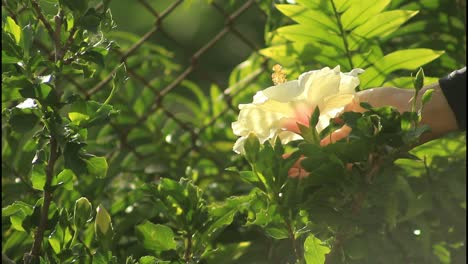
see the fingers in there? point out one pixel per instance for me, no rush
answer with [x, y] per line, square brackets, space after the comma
[336, 135]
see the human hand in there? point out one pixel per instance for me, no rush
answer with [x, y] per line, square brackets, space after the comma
[437, 113]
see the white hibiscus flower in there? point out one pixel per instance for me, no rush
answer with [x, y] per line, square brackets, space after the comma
[275, 111]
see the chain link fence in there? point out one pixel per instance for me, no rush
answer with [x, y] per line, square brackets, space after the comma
[155, 131]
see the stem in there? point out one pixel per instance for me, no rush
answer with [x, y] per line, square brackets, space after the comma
[343, 34]
[69, 42]
[41, 17]
[39, 235]
[293, 239]
[58, 28]
[188, 248]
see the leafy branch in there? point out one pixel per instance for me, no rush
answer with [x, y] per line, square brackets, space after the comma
[34, 254]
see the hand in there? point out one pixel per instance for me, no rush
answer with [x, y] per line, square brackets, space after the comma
[437, 113]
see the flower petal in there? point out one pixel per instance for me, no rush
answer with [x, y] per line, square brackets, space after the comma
[284, 92]
[349, 81]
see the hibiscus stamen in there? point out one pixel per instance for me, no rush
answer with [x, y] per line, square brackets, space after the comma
[278, 76]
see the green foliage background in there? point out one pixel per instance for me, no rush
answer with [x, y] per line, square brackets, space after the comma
[152, 161]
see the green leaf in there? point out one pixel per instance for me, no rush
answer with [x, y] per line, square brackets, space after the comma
[427, 96]
[90, 21]
[248, 176]
[55, 240]
[359, 13]
[381, 25]
[306, 33]
[82, 213]
[89, 113]
[323, 6]
[12, 28]
[277, 232]
[7, 59]
[315, 250]
[151, 260]
[97, 166]
[72, 158]
[310, 17]
[65, 178]
[156, 237]
[222, 214]
[38, 176]
[409, 59]
[103, 224]
[78, 112]
[15, 207]
[76, 6]
[22, 120]
[251, 147]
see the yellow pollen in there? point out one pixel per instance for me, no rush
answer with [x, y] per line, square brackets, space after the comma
[278, 76]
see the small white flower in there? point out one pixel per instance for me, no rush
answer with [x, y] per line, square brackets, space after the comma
[275, 111]
[28, 103]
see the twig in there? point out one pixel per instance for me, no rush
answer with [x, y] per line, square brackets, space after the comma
[293, 239]
[58, 29]
[41, 17]
[39, 235]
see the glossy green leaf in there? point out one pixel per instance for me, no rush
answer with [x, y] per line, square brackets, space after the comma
[312, 18]
[359, 13]
[277, 232]
[306, 33]
[323, 6]
[38, 176]
[65, 179]
[102, 224]
[82, 212]
[78, 112]
[97, 166]
[315, 250]
[7, 59]
[408, 59]
[381, 25]
[156, 237]
[151, 260]
[15, 207]
[12, 28]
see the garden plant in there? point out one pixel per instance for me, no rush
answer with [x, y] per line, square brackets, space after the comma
[115, 151]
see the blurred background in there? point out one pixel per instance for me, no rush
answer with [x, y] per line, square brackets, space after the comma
[190, 26]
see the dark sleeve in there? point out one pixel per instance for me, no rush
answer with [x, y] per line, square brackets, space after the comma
[454, 88]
